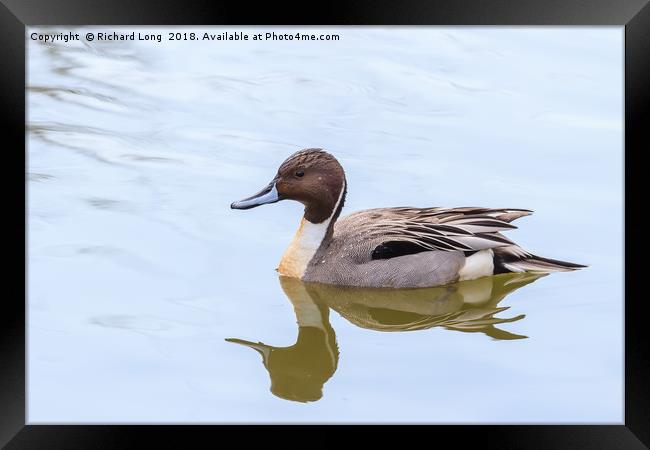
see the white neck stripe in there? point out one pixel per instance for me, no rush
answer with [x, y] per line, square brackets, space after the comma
[305, 243]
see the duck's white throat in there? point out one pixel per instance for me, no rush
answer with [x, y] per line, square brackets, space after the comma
[305, 243]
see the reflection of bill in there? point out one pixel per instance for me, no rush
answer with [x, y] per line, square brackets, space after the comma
[298, 372]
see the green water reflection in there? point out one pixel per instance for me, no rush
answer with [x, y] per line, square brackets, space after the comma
[298, 372]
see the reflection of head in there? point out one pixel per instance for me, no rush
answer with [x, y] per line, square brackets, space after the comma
[299, 372]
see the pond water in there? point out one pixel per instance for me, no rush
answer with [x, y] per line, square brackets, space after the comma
[150, 300]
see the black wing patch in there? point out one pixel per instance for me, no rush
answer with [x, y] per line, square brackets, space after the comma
[393, 249]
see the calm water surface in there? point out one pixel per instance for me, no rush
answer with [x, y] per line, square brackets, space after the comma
[151, 301]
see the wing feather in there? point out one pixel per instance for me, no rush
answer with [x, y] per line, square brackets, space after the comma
[443, 229]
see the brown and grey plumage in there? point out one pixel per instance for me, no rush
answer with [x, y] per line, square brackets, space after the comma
[402, 247]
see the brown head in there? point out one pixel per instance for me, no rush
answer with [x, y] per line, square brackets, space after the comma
[312, 177]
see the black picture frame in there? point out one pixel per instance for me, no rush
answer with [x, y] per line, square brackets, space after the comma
[15, 15]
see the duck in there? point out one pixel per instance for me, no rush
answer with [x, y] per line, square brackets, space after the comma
[299, 372]
[393, 247]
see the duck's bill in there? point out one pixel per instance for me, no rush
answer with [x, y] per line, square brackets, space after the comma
[267, 195]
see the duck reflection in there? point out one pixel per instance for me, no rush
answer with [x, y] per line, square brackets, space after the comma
[298, 372]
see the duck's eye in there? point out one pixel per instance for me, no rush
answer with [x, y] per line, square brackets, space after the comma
[300, 173]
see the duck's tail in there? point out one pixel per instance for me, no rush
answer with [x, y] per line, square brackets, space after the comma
[513, 258]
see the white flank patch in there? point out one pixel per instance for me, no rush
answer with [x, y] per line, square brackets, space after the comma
[304, 244]
[480, 264]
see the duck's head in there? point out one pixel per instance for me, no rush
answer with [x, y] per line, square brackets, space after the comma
[312, 177]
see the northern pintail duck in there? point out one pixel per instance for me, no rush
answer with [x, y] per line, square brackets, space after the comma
[402, 247]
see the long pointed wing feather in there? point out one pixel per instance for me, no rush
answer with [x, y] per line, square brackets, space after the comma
[445, 229]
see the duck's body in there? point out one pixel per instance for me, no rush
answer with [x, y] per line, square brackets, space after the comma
[389, 247]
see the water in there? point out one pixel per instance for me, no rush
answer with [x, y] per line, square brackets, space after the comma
[146, 290]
